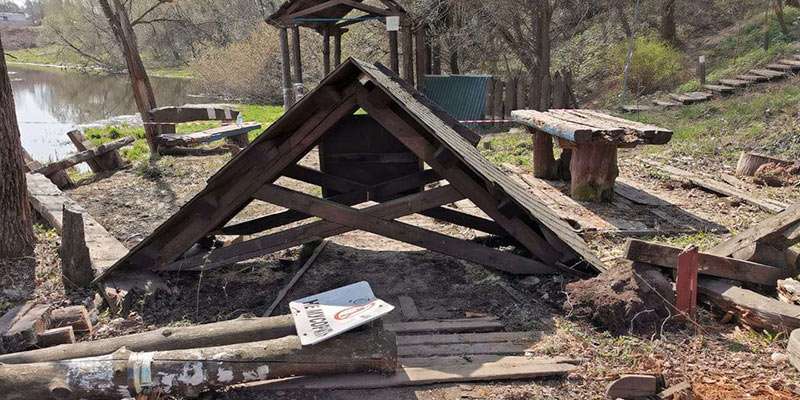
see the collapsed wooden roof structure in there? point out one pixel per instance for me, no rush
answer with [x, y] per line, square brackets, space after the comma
[375, 157]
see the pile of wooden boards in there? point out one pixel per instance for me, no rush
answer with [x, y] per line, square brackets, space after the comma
[758, 256]
[446, 351]
[37, 325]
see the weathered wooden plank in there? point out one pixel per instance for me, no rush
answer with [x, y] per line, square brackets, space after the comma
[428, 350]
[437, 361]
[456, 338]
[465, 220]
[781, 67]
[566, 130]
[753, 309]
[764, 231]
[721, 89]
[767, 73]
[434, 241]
[207, 136]
[417, 376]
[752, 78]
[731, 268]
[635, 193]
[719, 187]
[190, 113]
[446, 326]
[56, 336]
[736, 83]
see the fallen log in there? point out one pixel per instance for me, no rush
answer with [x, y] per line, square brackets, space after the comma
[749, 162]
[190, 372]
[83, 156]
[723, 267]
[215, 334]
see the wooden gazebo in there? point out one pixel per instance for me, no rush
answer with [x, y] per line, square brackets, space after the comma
[330, 18]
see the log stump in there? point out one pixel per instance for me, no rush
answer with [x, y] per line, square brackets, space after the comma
[544, 163]
[594, 171]
[750, 162]
[76, 263]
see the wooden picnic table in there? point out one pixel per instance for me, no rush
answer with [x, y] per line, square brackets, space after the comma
[589, 140]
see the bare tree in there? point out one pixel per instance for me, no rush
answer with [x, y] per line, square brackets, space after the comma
[777, 5]
[120, 24]
[667, 27]
[16, 229]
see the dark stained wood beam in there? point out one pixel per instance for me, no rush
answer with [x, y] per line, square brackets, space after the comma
[430, 240]
[311, 232]
[711, 265]
[466, 220]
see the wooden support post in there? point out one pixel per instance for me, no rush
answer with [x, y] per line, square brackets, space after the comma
[421, 55]
[510, 99]
[490, 94]
[337, 48]
[594, 171]
[297, 59]
[394, 56]
[408, 52]
[436, 58]
[326, 51]
[686, 283]
[76, 263]
[701, 70]
[286, 69]
[544, 163]
[498, 99]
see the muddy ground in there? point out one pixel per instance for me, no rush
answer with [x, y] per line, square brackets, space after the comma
[722, 361]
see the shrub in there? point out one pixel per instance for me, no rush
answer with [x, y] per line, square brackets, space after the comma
[655, 66]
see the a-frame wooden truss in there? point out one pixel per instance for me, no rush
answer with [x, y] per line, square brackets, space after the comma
[432, 135]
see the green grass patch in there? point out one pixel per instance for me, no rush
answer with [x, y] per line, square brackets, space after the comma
[265, 115]
[511, 148]
[51, 54]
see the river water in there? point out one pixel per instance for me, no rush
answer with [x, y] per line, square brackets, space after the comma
[51, 102]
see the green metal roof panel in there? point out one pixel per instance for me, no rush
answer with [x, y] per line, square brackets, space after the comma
[462, 96]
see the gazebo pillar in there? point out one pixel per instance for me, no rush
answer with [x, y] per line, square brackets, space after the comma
[408, 51]
[326, 50]
[394, 57]
[421, 55]
[337, 47]
[286, 74]
[299, 88]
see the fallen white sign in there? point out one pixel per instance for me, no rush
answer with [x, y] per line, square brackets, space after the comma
[325, 315]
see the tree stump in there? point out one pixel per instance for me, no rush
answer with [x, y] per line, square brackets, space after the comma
[749, 162]
[76, 264]
[544, 163]
[594, 171]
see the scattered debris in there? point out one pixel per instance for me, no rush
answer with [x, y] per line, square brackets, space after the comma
[635, 299]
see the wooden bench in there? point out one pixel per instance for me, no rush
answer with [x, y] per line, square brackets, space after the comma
[592, 139]
[168, 117]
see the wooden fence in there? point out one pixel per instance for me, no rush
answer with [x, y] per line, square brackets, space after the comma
[504, 96]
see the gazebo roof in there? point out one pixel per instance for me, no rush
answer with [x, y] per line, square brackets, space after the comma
[315, 13]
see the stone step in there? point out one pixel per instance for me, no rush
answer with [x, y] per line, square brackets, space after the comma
[721, 89]
[734, 82]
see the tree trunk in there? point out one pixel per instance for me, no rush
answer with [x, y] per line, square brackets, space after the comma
[142, 89]
[749, 162]
[668, 30]
[193, 371]
[16, 228]
[778, 6]
[594, 171]
[216, 334]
